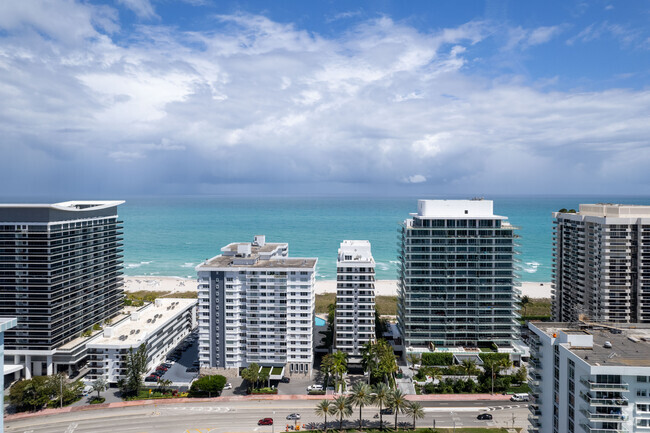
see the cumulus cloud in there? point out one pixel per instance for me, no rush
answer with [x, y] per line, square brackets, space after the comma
[254, 101]
[142, 8]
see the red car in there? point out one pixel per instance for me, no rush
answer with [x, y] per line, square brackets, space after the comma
[265, 421]
[161, 368]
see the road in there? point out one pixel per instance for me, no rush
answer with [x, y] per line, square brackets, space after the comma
[234, 417]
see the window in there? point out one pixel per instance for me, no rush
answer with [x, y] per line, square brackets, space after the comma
[641, 379]
[641, 393]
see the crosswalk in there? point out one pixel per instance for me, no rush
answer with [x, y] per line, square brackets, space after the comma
[213, 409]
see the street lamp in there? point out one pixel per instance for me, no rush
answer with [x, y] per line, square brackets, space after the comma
[273, 423]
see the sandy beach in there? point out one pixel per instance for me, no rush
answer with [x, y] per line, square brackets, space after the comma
[382, 287]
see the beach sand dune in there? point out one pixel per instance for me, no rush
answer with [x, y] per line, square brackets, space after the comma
[382, 287]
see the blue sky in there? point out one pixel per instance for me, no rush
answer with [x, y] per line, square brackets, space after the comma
[134, 97]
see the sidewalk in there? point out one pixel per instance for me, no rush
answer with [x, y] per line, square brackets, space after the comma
[135, 403]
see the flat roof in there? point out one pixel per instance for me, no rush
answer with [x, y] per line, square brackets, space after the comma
[7, 322]
[630, 342]
[222, 261]
[143, 322]
[74, 205]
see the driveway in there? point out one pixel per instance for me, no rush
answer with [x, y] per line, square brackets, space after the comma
[177, 373]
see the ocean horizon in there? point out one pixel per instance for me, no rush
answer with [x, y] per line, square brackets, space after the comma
[170, 235]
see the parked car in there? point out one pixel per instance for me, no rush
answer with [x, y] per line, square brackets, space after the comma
[484, 416]
[387, 411]
[315, 388]
[151, 378]
[156, 373]
[520, 397]
[192, 370]
[294, 416]
[167, 365]
[228, 386]
[285, 379]
[265, 421]
[87, 390]
[196, 363]
[161, 368]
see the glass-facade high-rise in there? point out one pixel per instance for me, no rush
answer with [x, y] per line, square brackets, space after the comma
[457, 279]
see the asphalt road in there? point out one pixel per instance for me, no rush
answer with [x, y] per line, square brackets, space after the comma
[233, 417]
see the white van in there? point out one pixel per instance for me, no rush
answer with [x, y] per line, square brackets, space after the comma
[520, 397]
[315, 388]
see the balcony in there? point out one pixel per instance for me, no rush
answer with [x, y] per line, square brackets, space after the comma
[595, 386]
[605, 402]
[603, 417]
[590, 429]
[534, 421]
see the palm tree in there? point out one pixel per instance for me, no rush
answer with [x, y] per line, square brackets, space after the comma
[360, 397]
[525, 300]
[342, 408]
[339, 364]
[380, 394]
[251, 375]
[469, 366]
[326, 365]
[324, 408]
[397, 401]
[413, 358]
[99, 385]
[414, 409]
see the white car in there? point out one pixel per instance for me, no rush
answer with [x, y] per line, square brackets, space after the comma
[315, 388]
[228, 386]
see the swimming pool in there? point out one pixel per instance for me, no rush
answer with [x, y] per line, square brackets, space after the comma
[319, 322]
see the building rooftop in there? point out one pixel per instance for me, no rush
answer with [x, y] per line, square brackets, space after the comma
[630, 343]
[461, 209]
[142, 323]
[615, 210]
[64, 211]
[360, 251]
[256, 254]
[7, 322]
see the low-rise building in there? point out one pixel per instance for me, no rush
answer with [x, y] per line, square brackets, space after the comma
[160, 325]
[589, 378]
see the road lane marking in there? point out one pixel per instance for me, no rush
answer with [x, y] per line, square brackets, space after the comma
[71, 428]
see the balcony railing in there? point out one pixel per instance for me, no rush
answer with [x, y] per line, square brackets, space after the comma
[590, 429]
[613, 402]
[603, 417]
[596, 386]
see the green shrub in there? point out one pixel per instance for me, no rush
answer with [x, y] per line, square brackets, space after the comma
[265, 391]
[493, 356]
[317, 392]
[437, 358]
[97, 400]
[209, 386]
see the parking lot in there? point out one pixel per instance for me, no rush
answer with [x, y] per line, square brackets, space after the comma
[178, 373]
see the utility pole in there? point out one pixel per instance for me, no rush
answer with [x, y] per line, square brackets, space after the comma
[61, 376]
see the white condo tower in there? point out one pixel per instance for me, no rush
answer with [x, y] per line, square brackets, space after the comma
[355, 297]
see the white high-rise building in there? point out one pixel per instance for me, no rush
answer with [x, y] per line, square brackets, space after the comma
[256, 305]
[355, 297]
[601, 264]
[588, 378]
[457, 277]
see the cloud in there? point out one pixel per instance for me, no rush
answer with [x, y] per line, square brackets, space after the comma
[142, 8]
[625, 35]
[519, 37]
[416, 178]
[257, 102]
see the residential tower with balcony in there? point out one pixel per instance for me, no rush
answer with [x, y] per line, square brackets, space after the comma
[601, 264]
[256, 305]
[456, 283]
[355, 297]
[588, 378]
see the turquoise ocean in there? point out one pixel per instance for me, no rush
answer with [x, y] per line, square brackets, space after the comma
[169, 236]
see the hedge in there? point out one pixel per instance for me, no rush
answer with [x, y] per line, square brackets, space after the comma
[317, 392]
[494, 356]
[437, 358]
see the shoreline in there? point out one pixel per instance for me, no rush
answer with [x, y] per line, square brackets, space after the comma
[535, 290]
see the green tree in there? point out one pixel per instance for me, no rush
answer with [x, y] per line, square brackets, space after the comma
[525, 300]
[31, 394]
[136, 366]
[339, 366]
[251, 375]
[163, 384]
[522, 374]
[380, 393]
[326, 365]
[360, 397]
[413, 358]
[378, 359]
[469, 367]
[324, 408]
[208, 385]
[342, 408]
[99, 385]
[415, 410]
[397, 401]
[265, 376]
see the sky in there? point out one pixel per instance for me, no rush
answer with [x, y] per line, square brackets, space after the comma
[171, 97]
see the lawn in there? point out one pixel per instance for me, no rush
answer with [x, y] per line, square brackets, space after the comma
[138, 298]
[538, 307]
[386, 305]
